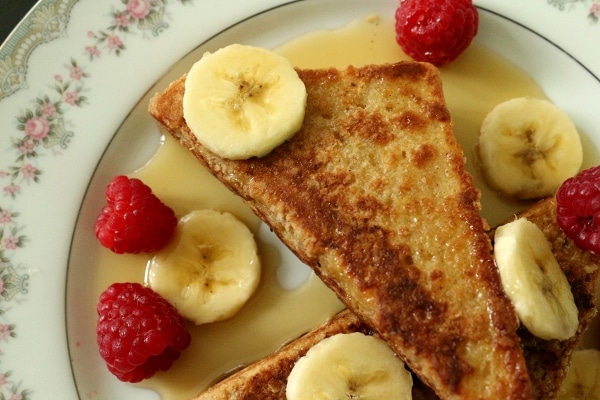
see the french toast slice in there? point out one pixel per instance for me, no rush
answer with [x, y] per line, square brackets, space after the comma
[266, 379]
[547, 360]
[372, 194]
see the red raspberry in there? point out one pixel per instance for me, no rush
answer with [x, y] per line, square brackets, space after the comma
[578, 209]
[436, 31]
[134, 220]
[138, 331]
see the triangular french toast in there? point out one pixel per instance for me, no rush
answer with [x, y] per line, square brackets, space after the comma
[372, 193]
[547, 360]
[266, 379]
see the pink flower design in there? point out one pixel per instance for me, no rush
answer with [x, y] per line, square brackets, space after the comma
[76, 73]
[2, 378]
[595, 10]
[71, 98]
[92, 51]
[139, 8]
[48, 109]
[114, 42]
[37, 128]
[15, 396]
[5, 218]
[91, 34]
[4, 332]
[122, 20]
[11, 189]
[10, 242]
[27, 147]
[28, 171]
[58, 78]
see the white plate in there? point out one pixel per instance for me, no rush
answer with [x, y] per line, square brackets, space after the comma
[68, 53]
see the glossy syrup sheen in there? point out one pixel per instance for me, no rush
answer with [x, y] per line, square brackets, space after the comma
[473, 85]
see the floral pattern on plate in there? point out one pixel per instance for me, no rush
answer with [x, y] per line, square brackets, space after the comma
[42, 129]
[593, 6]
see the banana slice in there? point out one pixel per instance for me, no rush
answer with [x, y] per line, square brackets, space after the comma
[583, 378]
[210, 269]
[534, 282]
[528, 147]
[243, 101]
[349, 366]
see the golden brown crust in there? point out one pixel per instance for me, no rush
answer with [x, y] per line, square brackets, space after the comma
[373, 194]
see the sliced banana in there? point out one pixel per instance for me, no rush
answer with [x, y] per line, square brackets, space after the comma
[534, 282]
[210, 269]
[243, 101]
[349, 366]
[528, 147]
[583, 379]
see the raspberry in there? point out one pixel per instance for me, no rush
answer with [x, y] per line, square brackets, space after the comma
[134, 220]
[436, 31]
[578, 209]
[138, 331]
